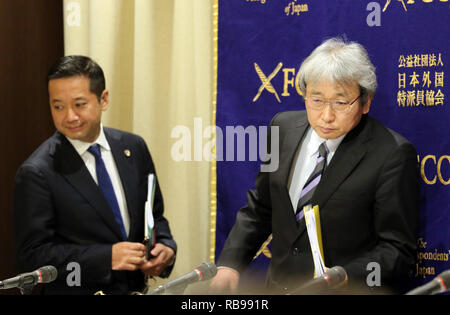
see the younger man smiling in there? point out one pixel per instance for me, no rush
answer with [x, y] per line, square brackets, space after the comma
[80, 196]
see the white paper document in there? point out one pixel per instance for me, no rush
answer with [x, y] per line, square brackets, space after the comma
[312, 221]
[149, 221]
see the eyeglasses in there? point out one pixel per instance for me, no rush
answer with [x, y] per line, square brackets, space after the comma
[338, 106]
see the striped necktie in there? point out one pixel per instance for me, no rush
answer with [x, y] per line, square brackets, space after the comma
[105, 185]
[312, 182]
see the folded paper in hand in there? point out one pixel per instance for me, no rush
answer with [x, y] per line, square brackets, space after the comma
[149, 229]
[312, 220]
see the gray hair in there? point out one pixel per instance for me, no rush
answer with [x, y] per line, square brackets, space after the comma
[339, 61]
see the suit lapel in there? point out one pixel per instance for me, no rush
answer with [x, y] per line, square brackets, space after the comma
[291, 141]
[125, 163]
[347, 157]
[72, 167]
[343, 163]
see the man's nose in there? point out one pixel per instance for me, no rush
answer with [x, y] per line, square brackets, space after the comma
[71, 115]
[328, 114]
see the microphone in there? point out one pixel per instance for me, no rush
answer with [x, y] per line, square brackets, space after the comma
[28, 280]
[334, 276]
[438, 285]
[203, 272]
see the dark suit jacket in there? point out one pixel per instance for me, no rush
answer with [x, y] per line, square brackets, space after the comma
[61, 216]
[368, 201]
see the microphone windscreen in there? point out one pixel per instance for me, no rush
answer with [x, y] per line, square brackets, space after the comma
[336, 275]
[48, 274]
[208, 270]
[445, 276]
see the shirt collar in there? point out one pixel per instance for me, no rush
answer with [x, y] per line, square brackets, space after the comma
[81, 147]
[332, 144]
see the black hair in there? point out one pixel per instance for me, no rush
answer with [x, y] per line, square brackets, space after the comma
[70, 66]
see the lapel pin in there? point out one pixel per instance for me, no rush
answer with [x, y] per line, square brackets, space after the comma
[127, 153]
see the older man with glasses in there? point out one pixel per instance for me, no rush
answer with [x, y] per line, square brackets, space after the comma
[362, 175]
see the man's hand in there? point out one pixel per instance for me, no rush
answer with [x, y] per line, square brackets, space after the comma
[127, 256]
[225, 281]
[162, 257]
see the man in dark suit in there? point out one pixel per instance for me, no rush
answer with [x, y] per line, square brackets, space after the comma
[362, 175]
[79, 198]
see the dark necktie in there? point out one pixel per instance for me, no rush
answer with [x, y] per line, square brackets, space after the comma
[312, 182]
[105, 185]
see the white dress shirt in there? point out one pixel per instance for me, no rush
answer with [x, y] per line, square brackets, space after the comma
[89, 160]
[306, 161]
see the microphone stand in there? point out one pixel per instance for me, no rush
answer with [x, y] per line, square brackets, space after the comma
[26, 289]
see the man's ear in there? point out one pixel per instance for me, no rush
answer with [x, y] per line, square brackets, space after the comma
[366, 106]
[104, 100]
